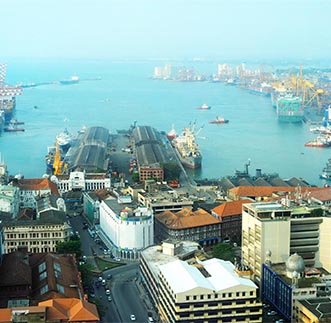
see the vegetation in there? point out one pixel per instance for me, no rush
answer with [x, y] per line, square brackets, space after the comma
[73, 246]
[224, 251]
[171, 171]
[86, 271]
[316, 212]
[104, 264]
[135, 177]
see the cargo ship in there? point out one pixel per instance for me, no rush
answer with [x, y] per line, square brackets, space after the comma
[64, 140]
[186, 148]
[2, 120]
[289, 108]
[72, 80]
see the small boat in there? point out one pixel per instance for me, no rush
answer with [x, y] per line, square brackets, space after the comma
[13, 129]
[219, 120]
[72, 80]
[204, 107]
[16, 122]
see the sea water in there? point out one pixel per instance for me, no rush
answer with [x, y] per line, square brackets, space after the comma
[126, 93]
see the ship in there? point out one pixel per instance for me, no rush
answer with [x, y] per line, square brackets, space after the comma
[2, 120]
[187, 149]
[63, 140]
[320, 141]
[289, 108]
[7, 95]
[325, 130]
[326, 173]
[72, 80]
[204, 107]
[171, 135]
[219, 120]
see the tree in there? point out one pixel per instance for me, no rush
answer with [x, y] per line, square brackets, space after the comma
[72, 246]
[224, 251]
[87, 275]
[171, 171]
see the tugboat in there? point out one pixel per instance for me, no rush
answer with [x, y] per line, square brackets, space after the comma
[219, 120]
[172, 134]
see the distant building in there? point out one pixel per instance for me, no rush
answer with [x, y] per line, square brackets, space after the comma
[186, 224]
[317, 310]
[185, 286]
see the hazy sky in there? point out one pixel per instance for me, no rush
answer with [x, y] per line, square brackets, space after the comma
[168, 28]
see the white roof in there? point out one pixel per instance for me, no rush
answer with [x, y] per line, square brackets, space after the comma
[183, 277]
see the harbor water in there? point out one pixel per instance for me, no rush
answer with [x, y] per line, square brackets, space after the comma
[116, 94]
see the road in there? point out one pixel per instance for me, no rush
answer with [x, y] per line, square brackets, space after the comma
[128, 295]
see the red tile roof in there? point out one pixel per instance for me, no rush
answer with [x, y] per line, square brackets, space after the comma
[37, 184]
[230, 208]
[186, 218]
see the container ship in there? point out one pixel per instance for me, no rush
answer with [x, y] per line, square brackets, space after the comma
[289, 108]
[187, 149]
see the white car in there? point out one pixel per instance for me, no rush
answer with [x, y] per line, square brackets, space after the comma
[132, 317]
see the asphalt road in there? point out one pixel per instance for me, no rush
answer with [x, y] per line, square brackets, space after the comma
[128, 295]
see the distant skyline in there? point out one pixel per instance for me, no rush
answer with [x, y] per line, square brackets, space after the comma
[127, 29]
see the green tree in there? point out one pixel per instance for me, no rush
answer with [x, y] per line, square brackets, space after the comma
[224, 251]
[72, 246]
[171, 171]
[135, 177]
[87, 274]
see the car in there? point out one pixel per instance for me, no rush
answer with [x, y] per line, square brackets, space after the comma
[109, 276]
[100, 278]
[132, 317]
[103, 282]
[107, 292]
[92, 295]
[109, 299]
[271, 313]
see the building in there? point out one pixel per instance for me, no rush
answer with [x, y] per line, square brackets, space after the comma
[161, 197]
[27, 279]
[39, 233]
[187, 287]
[82, 181]
[127, 228]
[229, 213]
[9, 200]
[283, 284]
[63, 310]
[32, 188]
[312, 310]
[186, 224]
[275, 230]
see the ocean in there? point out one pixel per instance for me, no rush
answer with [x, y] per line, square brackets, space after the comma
[126, 93]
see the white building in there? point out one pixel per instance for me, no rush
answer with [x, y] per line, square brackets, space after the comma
[126, 228]
[83, 181]
[197, 289]
[9, 199]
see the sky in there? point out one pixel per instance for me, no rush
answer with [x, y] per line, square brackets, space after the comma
[165, 29]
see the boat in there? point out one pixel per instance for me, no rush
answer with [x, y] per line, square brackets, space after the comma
[326, 173]
[2, 120]
[171, 135]
[320, 141]
[12, 128]
[289, 108]
[325, 130]
[219, 120]
[8, 100]
[16, 122]
[187, 149]
[204, 107]
[72, 80]
[64, 140]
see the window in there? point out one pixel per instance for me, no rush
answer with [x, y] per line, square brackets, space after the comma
[43, 275]
[43, 289]
[42, 267]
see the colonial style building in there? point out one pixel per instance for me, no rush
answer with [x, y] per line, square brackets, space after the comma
[186, 224]
[187, 287]
[229, 214]
[38, 233]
